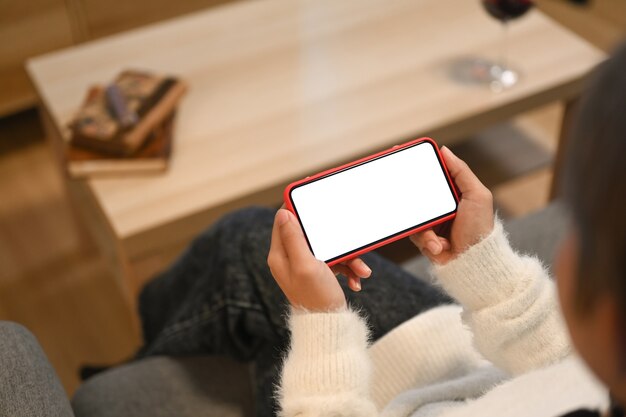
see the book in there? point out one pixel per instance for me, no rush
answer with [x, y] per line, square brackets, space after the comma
[152, 157]
[118, 119]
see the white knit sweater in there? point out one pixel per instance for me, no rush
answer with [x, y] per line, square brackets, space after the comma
[504, 352]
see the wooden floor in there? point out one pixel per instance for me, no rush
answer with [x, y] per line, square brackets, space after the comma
[53, 280]
[50, 281]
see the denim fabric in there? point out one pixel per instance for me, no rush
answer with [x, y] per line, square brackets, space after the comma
[219, 297]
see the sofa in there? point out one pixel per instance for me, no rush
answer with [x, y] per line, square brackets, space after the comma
[183, 387]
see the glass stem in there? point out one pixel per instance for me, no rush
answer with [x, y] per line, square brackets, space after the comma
[504, 56]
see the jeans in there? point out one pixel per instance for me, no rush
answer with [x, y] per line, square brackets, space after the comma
[219, 297]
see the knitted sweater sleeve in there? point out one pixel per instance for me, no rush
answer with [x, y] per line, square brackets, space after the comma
[509, 303]
[327, 370]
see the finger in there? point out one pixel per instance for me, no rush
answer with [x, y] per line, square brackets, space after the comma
[346, 272]
[277, 253]
[292, 239]
[445, 244]
[354, 283]
[427, 240]
[443, 229]
[463, 177]
[359, 267]
[341, 269]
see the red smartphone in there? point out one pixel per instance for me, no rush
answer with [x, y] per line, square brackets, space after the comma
[350, 210]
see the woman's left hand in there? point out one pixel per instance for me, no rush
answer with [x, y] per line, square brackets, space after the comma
[306, 281]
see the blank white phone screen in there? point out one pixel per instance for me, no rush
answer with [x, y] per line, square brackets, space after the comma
[361, 205]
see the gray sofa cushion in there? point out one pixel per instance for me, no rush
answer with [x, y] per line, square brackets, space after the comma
[28, 384]
[537, 234]
[167, 387]
[540, 233]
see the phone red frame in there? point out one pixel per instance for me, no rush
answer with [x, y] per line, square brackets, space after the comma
[378, 244]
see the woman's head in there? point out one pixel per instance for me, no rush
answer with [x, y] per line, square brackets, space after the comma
[591, 266]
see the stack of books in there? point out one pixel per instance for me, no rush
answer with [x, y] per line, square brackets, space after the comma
[125, 127]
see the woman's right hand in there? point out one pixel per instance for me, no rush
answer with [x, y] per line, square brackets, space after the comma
[474, 218]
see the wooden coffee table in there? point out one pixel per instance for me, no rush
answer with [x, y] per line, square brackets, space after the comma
[280, 89]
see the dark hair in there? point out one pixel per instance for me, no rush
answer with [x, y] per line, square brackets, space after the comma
[594, 183]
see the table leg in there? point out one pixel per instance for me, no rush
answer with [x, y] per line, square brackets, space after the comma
[566, 125]
[97, 227]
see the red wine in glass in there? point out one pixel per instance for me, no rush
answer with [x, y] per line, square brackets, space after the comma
[505, 10]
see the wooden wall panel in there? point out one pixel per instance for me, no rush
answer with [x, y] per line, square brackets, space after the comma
[27, 28]
[602, 22]
[103, 18]
[612, 10]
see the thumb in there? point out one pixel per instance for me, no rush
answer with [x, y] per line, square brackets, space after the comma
[462, 175]
[292, 237]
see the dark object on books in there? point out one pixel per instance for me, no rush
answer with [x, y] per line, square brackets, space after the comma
[125, 116]
[105, 123]
[152, 157]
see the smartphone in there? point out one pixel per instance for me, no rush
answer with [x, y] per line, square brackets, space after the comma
[350, 210]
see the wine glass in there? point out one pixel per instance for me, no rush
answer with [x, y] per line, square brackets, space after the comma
[499, 74]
